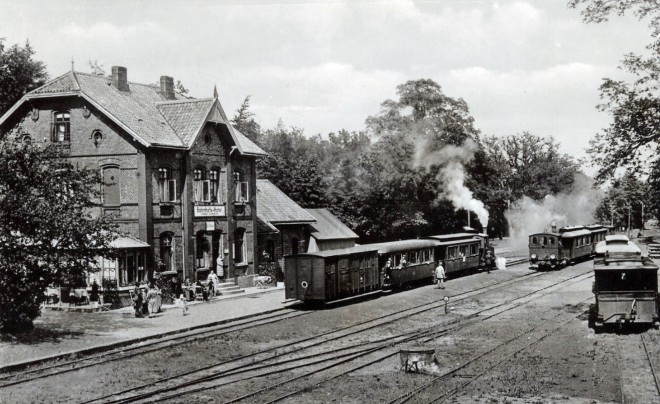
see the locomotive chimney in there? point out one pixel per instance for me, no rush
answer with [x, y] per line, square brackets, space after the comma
[554, 227]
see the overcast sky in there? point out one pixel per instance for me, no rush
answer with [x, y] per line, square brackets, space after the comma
[326, 65]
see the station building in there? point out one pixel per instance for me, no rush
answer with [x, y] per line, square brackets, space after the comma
[178, 178]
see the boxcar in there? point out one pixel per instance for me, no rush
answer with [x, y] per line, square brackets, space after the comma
[461, 251]
[625, 286]
[406, 261]
[325, 276]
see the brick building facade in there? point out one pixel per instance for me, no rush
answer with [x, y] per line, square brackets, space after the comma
[178, 178]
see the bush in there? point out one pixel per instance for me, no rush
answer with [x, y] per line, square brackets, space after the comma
[271, 269]
[165, 286]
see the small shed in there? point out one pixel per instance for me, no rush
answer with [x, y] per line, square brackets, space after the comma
[329, 233]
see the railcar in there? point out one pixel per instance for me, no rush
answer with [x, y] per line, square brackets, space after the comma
[625, 285]
[332, 275]
[406, 261]
[325, 276]
[559, 248]
[463, 251]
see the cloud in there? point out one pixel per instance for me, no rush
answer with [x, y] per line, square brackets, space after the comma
[321, 98]
[557, 101]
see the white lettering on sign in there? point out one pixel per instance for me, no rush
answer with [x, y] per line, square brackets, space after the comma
[209, 210]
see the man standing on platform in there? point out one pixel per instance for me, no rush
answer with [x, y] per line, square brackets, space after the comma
[440, 276]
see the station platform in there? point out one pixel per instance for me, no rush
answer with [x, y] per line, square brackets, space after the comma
[62, 334]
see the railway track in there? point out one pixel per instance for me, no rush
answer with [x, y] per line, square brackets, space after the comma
[122, 353]
[326, 359]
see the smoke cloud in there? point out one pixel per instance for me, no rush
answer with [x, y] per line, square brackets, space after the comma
[452, 160]
[577, 207]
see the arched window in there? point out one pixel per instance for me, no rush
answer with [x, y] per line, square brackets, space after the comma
[242, 188]
[110, 194]
[61, 127]
[239, 245]
[202, 250]
[26, 138]
[167, 251]
[214, 180]
[166, 185]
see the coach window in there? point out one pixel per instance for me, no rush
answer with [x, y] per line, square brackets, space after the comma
[535, 241]
[551, 240]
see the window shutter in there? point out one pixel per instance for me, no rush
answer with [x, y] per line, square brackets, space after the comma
[171, 190]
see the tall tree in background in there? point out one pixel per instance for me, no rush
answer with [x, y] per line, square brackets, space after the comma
[631, 140]
[529, 165]
[19, 73]
[244, 121]
[625, 200]
[292, 165]
[409, 135]
[48, 233]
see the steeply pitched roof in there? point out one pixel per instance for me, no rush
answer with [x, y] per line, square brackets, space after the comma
[275, 207]
[142, 111]
[329, 227]
[186, 117]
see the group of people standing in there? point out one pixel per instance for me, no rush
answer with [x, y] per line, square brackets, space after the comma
[146, 300]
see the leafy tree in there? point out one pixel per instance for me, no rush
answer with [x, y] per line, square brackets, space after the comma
[528, 165]
[413, 135]
[245, 123]
[48, 229]
[632, 137]
[625, 200]
[292, 165]
[19, 73]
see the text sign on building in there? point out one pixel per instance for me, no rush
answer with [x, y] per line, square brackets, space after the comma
[209, 210]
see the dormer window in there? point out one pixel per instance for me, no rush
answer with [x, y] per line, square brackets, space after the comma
[61, 127]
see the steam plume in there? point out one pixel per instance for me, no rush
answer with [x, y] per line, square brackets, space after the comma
[452, 160]
[576, 207]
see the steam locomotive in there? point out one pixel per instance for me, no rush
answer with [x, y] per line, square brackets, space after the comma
[565, 246]
[333, 275]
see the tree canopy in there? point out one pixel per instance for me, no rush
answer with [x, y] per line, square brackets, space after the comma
[19, 73]
[49, 231]
[631, 140]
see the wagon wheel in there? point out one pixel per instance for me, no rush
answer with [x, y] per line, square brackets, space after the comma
[592, 318]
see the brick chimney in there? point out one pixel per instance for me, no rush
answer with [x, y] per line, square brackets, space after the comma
[167, 87]
[120, 78]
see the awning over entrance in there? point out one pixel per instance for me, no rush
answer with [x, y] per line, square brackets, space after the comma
[128, 242]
